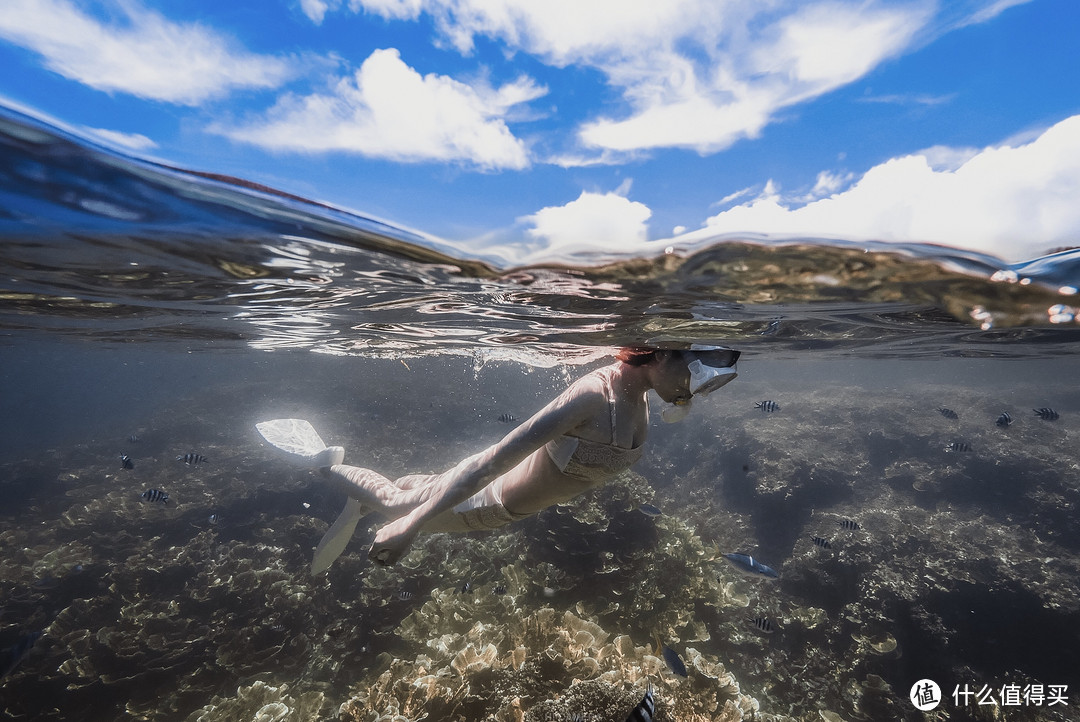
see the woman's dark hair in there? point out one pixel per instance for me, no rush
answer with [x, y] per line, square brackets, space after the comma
[636, 355]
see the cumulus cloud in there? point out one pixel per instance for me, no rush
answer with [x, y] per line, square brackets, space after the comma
[142, 53]
[595, 221]
[388, 110]
[1015, 202]
[129, 141]
[696, 74]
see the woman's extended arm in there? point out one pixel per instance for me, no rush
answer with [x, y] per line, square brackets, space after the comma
[574, 407]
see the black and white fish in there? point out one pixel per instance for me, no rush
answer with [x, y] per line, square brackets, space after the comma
[408, 589]
[499, 589]
[768, 406]
[578, 717]
[771, 328]
[191, 458]
[155, 495]
[214, 519]
[673, 662]
[1046, 414]
[465, 588]
[823, 543]
[960, 447]
[948, 413]
[134, 439]
[764, 624]
[507, 418]
[645, 709]
[649, 510]
[1004, 420]
[751, 567]
[126, 462]
[849, 524]
[10, 657]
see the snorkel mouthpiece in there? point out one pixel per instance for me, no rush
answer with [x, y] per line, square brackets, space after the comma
[675, 411]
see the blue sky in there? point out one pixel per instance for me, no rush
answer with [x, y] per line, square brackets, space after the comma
[605, 124]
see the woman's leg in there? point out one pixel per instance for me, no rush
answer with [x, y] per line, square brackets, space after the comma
[376, 492]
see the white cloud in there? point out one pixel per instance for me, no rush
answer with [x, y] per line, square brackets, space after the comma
[129, 141]
[595, 221]
[1015, 202]
[388, 110]
[316, 9]
[144, 55]
[698, 74]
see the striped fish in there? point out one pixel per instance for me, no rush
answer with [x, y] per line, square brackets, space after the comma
[133, 439]
[948, 413]
[1046, 413]
[126, 462]
[764, 624]
[154, 495]
[507, 418]
[1004, 420]
[767, 406]
[499, 589]
[645, 709]
[850, 525]
[191, 458]
[823, 543]
[961, 447]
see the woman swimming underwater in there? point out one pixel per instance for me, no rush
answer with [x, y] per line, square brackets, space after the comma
[590, 433]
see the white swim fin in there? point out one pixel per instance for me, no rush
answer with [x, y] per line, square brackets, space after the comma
[337, 536]
[301, 443]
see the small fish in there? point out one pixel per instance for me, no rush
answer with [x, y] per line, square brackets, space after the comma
[767, 406]
[153, 495]
[499, 589]
[578, 717]
[849, 525]
[961, 447]
[306, 505]
[1004, 420]
[10, 657]
[649, 510]
[133, 439]
[191, 458]
[823, 543]
[465, 588]
[645, 709]
[1046, 414]
[214, 519]
[507, 418]
[404, 595]
[772, 328]
[751, 567]
[764, 624]
[126, 462]
[673, 662]
[948, 413]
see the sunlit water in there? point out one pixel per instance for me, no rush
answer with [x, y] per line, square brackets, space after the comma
[138, 300]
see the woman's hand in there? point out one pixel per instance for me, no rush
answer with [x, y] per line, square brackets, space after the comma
[393, 541]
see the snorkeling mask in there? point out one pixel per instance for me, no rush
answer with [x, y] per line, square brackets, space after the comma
[710, 368]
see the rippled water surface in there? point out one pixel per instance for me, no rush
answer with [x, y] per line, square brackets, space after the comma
[151, 312]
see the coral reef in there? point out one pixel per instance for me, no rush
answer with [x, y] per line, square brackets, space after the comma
[964, 567]
[261, 702]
